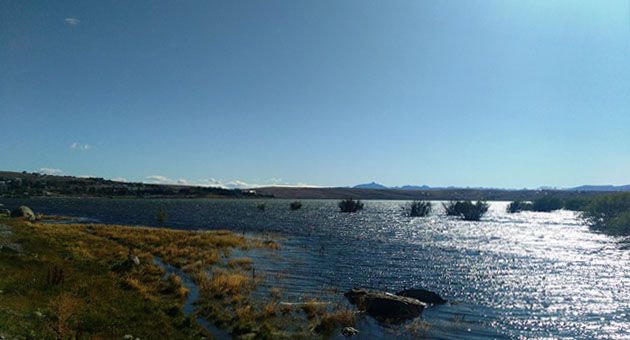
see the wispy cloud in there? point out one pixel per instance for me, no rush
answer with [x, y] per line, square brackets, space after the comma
[49, 171]
[158, 179]
[77, 146]
[72, 21]
[232, 184]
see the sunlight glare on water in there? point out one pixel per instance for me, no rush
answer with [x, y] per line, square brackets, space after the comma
[526, 275]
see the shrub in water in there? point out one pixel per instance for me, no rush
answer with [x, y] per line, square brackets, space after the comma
[418, 208]
[466, 209]
[610, 213]
[296, 205]
[518, 206]
[350, 205]
[576, 204]
[547, 204]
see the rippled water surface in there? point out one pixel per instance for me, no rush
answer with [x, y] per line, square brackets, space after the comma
[526, 275]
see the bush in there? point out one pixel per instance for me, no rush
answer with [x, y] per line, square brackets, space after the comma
[609, 213]
[547, 204]
[467, 210]
[261, 206]
[296, 205]
[576, 204]
[350, 205]
[518, 206]
[417, 209]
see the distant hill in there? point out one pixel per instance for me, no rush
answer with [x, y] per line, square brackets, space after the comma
[25, 184]
[414, 187]
[372, 185]
[601, 188]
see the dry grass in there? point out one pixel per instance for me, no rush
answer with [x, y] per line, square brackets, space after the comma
[65, 319]
[275, 293]
[269, 310]
[312, 308]
[330, 321]
[229, 283]
[241, 262]
[418, 328]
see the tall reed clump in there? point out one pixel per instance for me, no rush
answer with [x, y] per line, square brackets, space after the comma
[518, 206]
[417, 209]
[609, 213]
[349, 205]
[466, 210]
[295, 205]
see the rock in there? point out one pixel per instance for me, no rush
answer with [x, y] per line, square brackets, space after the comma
[423, 296]
[349, 331]
[24, 212]
[4, 211]
[128, 336]
[135, 260]
[384, 306]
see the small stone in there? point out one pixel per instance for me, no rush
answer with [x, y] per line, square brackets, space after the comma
[135, 260]
[39, 314]
[128, 337]
[349, 331]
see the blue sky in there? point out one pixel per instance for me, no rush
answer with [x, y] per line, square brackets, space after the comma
[467, 93]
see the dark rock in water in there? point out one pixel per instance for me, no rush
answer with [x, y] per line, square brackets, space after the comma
[349, 331]
[24, 212]
[422, 295]
[384, 306]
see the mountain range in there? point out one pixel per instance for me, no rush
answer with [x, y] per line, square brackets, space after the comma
[608, 188]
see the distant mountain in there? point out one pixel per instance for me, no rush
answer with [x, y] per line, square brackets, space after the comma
[413, 187]
[372, 185]
[600, 188]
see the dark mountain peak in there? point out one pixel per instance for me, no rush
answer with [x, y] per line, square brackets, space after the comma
[372, 185]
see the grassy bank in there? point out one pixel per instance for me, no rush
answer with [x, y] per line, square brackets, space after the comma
[100, 281]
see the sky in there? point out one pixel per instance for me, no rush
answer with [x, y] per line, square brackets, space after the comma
[512, 94]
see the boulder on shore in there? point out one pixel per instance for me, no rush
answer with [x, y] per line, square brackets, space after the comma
[423, 295]
[385, 307]
[23, 212]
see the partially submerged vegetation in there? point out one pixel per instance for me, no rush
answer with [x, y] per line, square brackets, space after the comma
[518, 206]
[349, 205]
[296, 205]
[417, 209]
[106, 281]
[466, 210]
[610, 213]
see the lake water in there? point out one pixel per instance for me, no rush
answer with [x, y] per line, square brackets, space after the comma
[527, 275]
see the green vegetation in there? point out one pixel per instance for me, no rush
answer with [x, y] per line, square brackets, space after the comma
[518, 206]
[467, 210]
[547, 203]
[67, 281]
[417, 209]
[349, 205]
[609, 213]
[296, 205]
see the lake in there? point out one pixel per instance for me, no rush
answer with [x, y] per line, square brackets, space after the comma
[526, 275]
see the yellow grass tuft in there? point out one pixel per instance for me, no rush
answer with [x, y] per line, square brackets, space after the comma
[241, 262]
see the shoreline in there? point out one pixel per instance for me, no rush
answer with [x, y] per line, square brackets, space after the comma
[84, 271]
